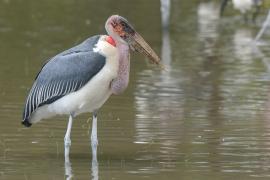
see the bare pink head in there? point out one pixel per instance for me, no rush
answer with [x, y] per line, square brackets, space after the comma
[122, 32]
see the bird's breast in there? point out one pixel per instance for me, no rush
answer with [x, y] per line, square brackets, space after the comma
[97, 90]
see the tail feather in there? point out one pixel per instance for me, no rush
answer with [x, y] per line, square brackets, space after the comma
[25, 120]
[26, 123]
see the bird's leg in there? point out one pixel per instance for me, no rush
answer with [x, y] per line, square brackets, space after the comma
[94, 144]
[94, 139]
[67, 140]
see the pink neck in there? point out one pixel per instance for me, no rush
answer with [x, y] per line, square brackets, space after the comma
[121, 82]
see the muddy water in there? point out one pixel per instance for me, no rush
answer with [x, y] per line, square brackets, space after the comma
[206, 117]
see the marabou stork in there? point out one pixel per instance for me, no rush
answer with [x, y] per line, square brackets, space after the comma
[243, 6]
[82, 78]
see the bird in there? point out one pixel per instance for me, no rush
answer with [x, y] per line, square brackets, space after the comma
[243, 6]
[81, 79]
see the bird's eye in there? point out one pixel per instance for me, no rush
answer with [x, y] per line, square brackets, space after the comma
[123, 36]
[123, 24]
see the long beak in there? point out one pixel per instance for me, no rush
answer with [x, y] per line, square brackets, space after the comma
[222, 7]
[140, 45]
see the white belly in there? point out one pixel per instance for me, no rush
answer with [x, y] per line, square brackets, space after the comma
[90, 97]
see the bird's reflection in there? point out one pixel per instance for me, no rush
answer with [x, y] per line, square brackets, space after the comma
[94, 165]
[157, 96]
[162, 99]
[94, 168]
[209, 78]
[242, 44]
[244, 56]
[266, 62]
[68, 169]
[208, 19]
[265, 78]
[165, 9]
[244, 48]
[166, 45]
[264, 27]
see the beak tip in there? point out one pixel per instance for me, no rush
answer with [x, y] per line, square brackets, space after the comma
[163, 67]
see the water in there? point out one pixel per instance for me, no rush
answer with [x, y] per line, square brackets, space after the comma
[206, 117]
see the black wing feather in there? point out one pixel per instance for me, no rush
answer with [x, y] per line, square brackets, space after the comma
[65, 73]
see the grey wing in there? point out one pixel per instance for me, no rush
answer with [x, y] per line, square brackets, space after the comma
[63, 74]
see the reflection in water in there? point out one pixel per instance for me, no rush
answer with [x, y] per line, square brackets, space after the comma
[266, 77]
[165, 22]
[211, 71]
[68, 169]
[231, 86]
[208, 19]
[242, 42]
[245, 54]
[166, 50]
[158, 104]
[209, 78]
[94, 167]
[165, 8]
[245, 86]
[264, 27]
[94, 144]
[146, 90]
[158, 113]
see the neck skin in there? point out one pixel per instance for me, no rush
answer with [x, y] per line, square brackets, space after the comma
[119, 84]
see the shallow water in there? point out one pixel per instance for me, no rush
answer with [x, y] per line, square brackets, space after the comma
[206, 117]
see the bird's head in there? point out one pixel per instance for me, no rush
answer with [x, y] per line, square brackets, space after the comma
[122, 32]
